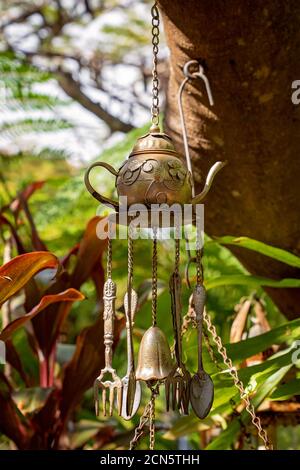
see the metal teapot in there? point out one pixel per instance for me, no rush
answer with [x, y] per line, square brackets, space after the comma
[154, 173]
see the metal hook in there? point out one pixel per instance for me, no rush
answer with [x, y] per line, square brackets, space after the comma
[218, 165]
[199, 74]
[191, 75]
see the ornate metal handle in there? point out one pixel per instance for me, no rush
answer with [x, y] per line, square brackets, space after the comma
[105, 200]
[109, 297]
[199, 303]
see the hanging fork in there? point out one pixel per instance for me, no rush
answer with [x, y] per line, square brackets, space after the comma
[178, 381]
[114, 386]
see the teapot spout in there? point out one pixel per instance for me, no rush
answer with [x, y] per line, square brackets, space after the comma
[209, 179]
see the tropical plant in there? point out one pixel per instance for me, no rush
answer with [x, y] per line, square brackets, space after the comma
[44, 289]
[45, 386]
[27, 110]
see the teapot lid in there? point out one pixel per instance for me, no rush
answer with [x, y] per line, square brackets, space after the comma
[154, 141]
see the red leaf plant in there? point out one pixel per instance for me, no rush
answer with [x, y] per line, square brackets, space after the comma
[36, 415]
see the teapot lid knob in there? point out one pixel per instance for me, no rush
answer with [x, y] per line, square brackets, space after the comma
[154, 129]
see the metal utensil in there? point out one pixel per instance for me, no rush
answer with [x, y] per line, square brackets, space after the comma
[114, 386]
[131, 388]
[178, 381]
[201, 387]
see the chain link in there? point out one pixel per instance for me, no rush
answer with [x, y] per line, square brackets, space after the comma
[238, 383]
[155, 80]
[147, 416]
[152, 420]
[177, 255]
[139, 430]
[189, 318]
[154, 278]
[109, 259]
[130, 258]
[211, 351]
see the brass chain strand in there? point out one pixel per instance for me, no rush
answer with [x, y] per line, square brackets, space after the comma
[189, 318]
[109, 259]
[139, 430]
[129, 279]
[177, 255]
[130, 256]
[211, 351]
[155, 80]
[152, 420]
[199, 254]
[144, 419]
[238, 383]
[154, 279]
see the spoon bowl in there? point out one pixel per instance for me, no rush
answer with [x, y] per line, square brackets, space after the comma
[201, 394]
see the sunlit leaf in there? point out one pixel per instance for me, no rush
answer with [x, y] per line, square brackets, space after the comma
[276, 253]
[251, 346]
[251, 281]
[70, 295]
[17, 272]
[227, 437]
[286, 391]
[31, 399]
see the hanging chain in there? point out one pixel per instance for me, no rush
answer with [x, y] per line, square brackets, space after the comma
[109, 259]
[152, 419]
[238, 383]
[177, 255]
[232, 370]
[130, 256]
[139, 430]
[211, 351]
[148, 416]
[155, 80]
[154, 278]
[189, 318]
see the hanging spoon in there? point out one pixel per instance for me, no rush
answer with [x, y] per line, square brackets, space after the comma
[131, 388]
[202, 387]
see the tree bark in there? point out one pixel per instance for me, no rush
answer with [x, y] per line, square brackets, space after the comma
[250, 51]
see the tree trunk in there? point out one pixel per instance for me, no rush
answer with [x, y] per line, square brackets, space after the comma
[250, 51]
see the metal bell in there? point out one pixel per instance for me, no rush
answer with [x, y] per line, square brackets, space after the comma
[154, 361]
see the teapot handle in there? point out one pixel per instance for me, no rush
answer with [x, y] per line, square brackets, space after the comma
[105, 200]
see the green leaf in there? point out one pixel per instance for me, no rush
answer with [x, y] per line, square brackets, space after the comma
[251, 346]
[64, 352]
[16, 273]
[272, 252]
[252, 377]
[227, 437]
[69, 295]
[31, 399]
[286, 391]
[84, 430]
[251, 281]
[187, 425]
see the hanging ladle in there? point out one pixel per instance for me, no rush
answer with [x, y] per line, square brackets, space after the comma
[202, 387]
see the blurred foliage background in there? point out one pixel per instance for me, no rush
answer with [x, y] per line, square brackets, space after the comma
[74, 83]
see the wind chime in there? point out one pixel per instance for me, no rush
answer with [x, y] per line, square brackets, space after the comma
[154, 173]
